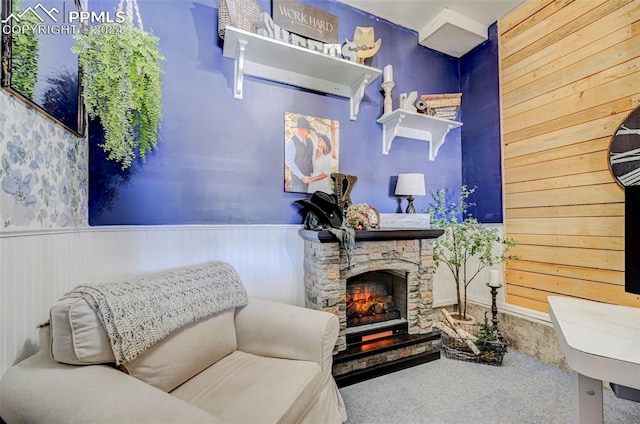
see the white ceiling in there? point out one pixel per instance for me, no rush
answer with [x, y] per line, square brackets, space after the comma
[423, 15]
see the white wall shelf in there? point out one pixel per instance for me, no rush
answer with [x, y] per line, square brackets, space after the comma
[275, 60]
[415, 125]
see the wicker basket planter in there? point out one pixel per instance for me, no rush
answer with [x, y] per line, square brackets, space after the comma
[241, 14]
[456, 348]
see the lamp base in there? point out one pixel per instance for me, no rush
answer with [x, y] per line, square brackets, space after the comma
[410, 207]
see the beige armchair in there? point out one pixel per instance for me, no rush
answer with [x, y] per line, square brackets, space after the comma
[261, 363]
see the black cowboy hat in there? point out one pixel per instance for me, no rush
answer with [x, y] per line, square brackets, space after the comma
[325, 207]
[327, 143]
[303, 123]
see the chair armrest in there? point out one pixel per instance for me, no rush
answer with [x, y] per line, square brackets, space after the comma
[285, 331]
[40, 390]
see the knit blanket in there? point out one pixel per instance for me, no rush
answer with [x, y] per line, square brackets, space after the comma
[138, 313]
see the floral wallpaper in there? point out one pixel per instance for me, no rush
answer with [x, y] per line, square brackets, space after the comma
[43, 170]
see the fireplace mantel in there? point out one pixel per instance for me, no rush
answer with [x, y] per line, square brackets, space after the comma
[325, 236]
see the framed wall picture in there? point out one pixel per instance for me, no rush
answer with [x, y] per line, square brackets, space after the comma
[310, 153]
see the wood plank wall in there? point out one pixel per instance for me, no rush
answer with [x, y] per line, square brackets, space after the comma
[570, 75]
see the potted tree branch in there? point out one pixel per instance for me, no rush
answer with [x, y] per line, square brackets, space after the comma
[464, 238]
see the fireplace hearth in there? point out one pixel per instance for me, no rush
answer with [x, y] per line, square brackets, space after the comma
[383, 301]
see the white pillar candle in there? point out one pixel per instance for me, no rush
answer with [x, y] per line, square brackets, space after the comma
[493, 278]
[388, 73]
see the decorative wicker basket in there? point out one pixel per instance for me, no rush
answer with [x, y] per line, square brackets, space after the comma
[456, 348]
[241, 14]
[444, 106]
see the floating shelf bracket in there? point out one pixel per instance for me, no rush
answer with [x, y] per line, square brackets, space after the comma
[404, 123]
[238, 70]
[358, 95]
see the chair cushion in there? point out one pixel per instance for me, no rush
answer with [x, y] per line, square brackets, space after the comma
[78, 338]
[185, 353]
[77, 335]
[246, 388]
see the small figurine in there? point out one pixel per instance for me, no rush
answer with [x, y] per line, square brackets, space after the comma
[350, 51]
[409, 102]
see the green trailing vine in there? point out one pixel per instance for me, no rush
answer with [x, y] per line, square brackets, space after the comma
[24, 54]
[121, 71]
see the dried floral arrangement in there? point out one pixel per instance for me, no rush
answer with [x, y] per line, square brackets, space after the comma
[362, 216]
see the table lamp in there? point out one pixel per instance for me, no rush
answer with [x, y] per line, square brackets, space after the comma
[410, 185]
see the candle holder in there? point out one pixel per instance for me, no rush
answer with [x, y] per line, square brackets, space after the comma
[387, 86]
[494, 306]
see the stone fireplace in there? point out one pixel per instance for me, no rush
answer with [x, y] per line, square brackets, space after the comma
[383, 301]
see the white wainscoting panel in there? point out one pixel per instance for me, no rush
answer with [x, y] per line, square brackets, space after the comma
[37, 267]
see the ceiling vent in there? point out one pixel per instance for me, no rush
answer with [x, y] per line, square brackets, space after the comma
[452, 33]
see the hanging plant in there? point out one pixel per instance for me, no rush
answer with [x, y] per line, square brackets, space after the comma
[121, 72]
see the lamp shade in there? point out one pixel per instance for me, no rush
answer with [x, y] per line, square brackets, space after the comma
[410, 185]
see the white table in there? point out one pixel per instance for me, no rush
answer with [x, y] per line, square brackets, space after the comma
[601, 343]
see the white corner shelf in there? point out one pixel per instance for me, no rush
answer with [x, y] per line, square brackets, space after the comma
[275, 60]
[405, 123]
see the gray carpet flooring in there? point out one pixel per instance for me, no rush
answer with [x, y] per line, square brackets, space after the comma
[447, 391]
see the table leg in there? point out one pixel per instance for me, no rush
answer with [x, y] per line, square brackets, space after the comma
[587, 400]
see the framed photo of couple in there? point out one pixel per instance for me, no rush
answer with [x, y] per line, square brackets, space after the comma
[310, 153]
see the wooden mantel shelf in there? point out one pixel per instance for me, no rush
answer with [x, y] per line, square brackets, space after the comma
[325, 236]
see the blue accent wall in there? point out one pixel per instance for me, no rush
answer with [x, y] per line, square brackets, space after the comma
[480, 112]
[221, 161]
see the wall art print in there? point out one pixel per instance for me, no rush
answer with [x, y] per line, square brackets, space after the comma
[311, 153]
[43, 171]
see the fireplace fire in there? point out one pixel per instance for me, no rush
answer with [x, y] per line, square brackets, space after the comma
[369, 305]
[374, 297]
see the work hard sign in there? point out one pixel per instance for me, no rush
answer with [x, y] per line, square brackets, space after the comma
[306, 21]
